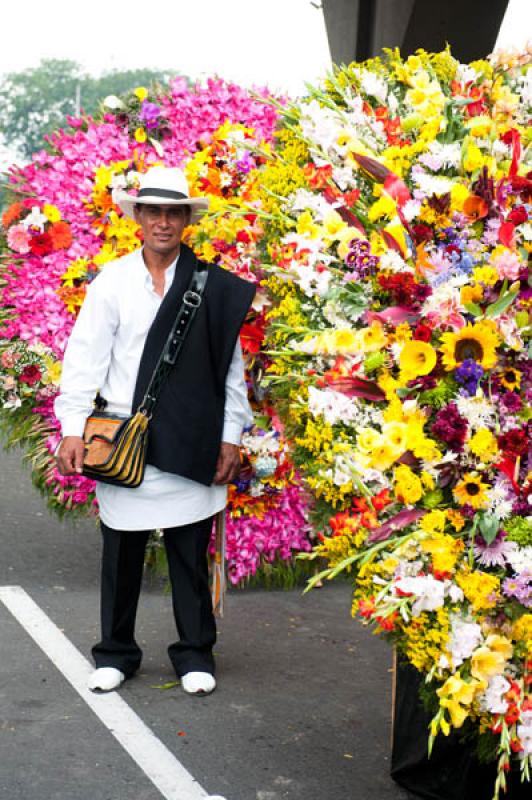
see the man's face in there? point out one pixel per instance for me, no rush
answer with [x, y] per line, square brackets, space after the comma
[162, 226]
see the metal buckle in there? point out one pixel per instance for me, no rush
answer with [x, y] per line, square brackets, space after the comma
[191, 298]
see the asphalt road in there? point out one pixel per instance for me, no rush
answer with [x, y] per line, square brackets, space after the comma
[301, 712]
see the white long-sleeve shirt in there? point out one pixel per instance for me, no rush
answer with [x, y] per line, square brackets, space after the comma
[103, 354]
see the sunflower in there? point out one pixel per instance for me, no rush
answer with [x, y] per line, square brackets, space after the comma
[477, 342]
[511, 378]
[417, 358]
[471, 491]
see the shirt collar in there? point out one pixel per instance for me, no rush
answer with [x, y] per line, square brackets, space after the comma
[168, 275]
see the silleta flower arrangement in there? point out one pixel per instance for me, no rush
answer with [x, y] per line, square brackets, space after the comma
[397, 236]
[62, 228]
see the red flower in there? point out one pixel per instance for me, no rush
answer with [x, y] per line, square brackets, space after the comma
[41, 244]
[518, 215]
[514, 443]
[251, 335]
[30, 375]
[422, 332]
[423, 233]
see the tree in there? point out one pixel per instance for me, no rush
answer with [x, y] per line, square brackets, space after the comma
[36, 101]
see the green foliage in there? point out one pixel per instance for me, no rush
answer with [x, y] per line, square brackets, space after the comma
[35, 101]
[519, 529]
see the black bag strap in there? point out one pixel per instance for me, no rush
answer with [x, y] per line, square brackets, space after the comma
[192, 300]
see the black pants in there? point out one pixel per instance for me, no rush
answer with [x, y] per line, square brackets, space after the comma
[122, 569]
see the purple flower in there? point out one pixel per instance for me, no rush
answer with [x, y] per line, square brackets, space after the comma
[149, 114]
[468, 374]
[494, 554]
[511, 402]
[519, 587]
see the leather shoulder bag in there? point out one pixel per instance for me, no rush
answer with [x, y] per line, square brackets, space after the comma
[115, 445]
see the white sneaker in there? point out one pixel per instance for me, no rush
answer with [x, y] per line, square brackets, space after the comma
[105, 679]
[198, 683]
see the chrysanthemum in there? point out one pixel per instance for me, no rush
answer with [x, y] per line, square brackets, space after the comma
[471, 491]
[477, 342]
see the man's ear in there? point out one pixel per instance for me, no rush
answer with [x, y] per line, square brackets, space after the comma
[136, 212]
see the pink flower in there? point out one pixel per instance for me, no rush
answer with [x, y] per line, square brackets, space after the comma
[18, 239]
[507, 265]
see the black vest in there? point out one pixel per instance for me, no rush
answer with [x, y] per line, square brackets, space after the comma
[187, 424]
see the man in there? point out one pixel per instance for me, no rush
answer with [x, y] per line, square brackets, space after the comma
[194, 434]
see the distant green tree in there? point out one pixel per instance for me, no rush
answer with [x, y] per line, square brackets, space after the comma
[36, 101]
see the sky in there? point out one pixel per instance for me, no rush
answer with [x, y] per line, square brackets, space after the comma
[281, 43]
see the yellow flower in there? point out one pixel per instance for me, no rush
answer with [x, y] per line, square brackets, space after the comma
[486, 662]
[433, 522]
[444, 551]
[140, 135]
[368, 439]
[484, 445]
[471, 491]
[396, 435]
[383, 207]
[333, 224]
[480, 126]
[481, 589]
[486, 275]
[511, 378]
[417, 358]
[382, 456]
[522, 632]
[477, 342]
[53, 371]
[371, 339]
[459, 194]
[341, 341]
[456, 519]
[471, 294]
[408, 488]
[500, 644]
[456, 696]
[305, 224]
[51, 213]
[425, 96]
[141, 92]
[473, 158]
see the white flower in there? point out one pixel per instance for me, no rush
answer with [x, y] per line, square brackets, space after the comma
[411, 209]
[465, 637]
[392, 262]
[332, 406]
[454, 593]
[526, 230]
[492, 699]
[344, 177]
[35, 219]
[428, 591]
[260, 301]
[432, 184]
[478, 411]
[373, 85]
[113, 102]
[521, 559]
[524, 732]
[311, 282]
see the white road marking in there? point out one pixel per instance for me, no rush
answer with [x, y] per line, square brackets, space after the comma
[163, 769]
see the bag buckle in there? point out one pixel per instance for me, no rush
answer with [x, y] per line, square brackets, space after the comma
[192, 298]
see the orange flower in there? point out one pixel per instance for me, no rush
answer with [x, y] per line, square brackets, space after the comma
[11, 214]
[475, 207]
[61, 235]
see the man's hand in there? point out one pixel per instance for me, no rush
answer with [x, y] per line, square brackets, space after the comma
[70, 455]
[228, 464]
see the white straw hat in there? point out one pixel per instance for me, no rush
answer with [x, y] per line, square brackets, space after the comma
[163, 186]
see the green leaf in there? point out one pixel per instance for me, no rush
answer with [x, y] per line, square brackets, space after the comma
[474, 309]
[500, 305]
[165, 686]
[489, 527]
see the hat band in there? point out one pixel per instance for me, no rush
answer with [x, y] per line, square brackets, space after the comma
[166, 194]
